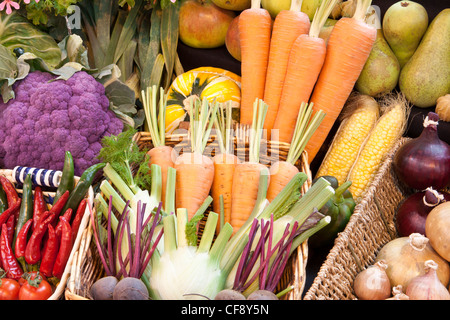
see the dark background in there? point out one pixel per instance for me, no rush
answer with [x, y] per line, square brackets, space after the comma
[192, 58]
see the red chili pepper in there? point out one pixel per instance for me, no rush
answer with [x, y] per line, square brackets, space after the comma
[10, 225]
[78, 217]
[10, 191]
[50, 253]
[10, 211]
[65, 247]
[33, 249]
[39, 205]
[9, 262]
[59, 205]
[21, 241]
[67, 216]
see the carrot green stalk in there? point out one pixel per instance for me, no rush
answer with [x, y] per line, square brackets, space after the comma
[348, 48]
[224, 165]
[281, 172]
[195, 171]
[255, 25]
[304, 65]
[247, 174]
[160, 154]
[288, 25]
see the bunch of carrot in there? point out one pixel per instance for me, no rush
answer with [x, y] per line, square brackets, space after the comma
[292, 64]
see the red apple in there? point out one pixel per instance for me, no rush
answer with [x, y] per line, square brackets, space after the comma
[203, 24]
[232, 39]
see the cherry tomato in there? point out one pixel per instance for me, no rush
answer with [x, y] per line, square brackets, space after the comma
[9, 289]
[35, 287]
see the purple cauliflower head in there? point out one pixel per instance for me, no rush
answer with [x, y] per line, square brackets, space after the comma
[48, 118]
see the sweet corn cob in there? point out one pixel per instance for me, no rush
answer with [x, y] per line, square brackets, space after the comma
[364, 112]
[389, 128]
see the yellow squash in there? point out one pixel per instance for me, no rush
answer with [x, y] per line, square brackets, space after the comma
[214, 84]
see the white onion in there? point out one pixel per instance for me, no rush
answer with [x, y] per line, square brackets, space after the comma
[405, 257]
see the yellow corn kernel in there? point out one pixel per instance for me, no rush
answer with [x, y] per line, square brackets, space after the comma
[353, 131]
[389, 128]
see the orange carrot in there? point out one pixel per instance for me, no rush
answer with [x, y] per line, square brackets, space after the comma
[255, 26]
[224, 167]
[195, 173]
[247, 174]
[225, 162]
[348, 48]
[161, 155]
[194, 170]
[305, 62]
[281, 172]
[288, 25]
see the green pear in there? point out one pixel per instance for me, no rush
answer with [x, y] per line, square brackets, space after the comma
[404, 25]
[426, 76]
[381, 71]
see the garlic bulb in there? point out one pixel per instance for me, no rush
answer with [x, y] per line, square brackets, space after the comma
[427, 286]
[397, 293]
[373, 283]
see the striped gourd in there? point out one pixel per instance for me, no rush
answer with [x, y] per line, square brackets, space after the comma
[214, 84]
[389, 128]
[359, 117]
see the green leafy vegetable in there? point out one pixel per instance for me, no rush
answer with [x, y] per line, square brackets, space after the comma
[124, 155]
[17, 32]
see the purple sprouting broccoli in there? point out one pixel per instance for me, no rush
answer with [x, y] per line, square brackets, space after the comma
[47, 118]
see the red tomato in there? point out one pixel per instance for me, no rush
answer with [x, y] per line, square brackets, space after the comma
[9, 289]
[30, 275]
[35, 288]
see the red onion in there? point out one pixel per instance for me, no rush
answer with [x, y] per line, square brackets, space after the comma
[413, 212]
[424, 161]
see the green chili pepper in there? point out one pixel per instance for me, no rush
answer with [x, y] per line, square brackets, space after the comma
[67, 178]
[80, 190]
[26, 207]
[340, 208]
[3, 200]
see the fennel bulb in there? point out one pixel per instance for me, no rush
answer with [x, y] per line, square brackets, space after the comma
[186, 274]
[185, 271]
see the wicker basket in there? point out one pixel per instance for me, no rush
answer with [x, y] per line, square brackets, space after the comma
[370, 227]
[87, 268]
[16, 177]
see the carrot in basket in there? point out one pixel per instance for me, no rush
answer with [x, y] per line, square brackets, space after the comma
[247, 174]
[288, 25]
[160, 154]
[305, 62]
[225, 162]
[195, 171]
[348, 48]
[255, 27]
[281, 172]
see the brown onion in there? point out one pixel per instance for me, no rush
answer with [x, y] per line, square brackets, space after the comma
[437, 226]
[427, 286]
[373, 283]
[405, 257]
